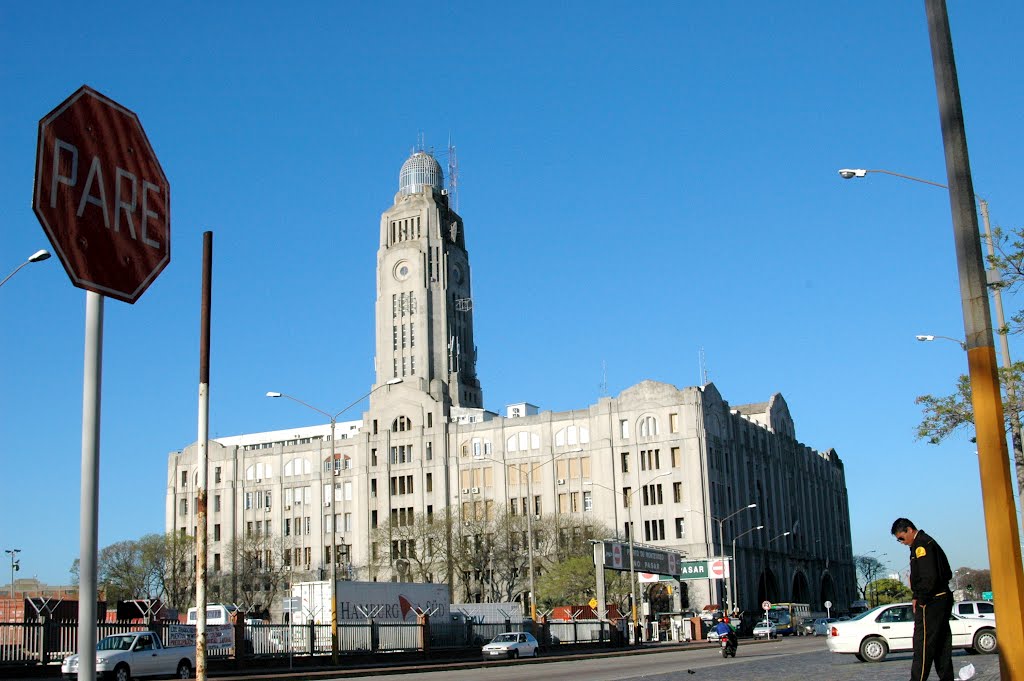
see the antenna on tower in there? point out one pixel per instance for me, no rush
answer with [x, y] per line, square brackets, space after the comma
[604, 379]
[453, 173]
[703, 367]
[421, 141]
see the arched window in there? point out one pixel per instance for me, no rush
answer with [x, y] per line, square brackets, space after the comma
[648, 426]
[258, 471]
[401, 424]
[297, 466]
[573, 435]
[522, 441]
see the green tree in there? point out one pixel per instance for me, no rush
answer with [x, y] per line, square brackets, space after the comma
[888, 590]
[573, 581]
[868, 569]
[946, 414]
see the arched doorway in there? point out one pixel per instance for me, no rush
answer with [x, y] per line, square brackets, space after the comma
[801, 591]
[767, 587]
[828, 591]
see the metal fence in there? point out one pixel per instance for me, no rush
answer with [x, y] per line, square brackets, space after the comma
[51, 642]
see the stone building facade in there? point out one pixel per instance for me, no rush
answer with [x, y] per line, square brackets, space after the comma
[673, 466]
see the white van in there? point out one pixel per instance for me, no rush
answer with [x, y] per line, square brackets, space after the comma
[215, 614]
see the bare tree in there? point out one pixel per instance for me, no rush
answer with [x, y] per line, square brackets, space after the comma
[259, 576]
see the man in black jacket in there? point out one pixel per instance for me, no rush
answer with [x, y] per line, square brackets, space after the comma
[933, 602]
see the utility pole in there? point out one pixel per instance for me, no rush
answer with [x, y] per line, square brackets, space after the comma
[993, 461]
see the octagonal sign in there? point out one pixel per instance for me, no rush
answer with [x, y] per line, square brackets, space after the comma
[101, 196]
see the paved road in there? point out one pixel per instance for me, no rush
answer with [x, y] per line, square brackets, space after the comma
[794, 659]
[786, 660]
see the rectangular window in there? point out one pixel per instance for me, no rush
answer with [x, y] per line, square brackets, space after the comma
[588, 501]
[216, 474]
[624, 429]
[373, 456]
[216, 503]
[373, 519]
[430, 449]
[626, 494]
[680, 528]
[348, 491]
[287, 527]
[563, 503]
[673, 423]
[675, 457]
[216, 562]
[328, 523]
[184, 478]
[574, 502]
[430, 419]
[430, 482]
[585, 467]
[373, 487]
[348, 523]
[625, 462]
[248, 500]
[216, 532]
[677, 492]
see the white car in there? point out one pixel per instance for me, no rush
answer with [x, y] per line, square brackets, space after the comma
[766, 629]
[981, 609]
[889, 628]
[512, 645]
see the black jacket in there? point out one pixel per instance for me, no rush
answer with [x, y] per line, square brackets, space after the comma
[929, 569]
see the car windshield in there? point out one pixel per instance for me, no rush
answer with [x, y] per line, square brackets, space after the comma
[123, 642]
[504, 638]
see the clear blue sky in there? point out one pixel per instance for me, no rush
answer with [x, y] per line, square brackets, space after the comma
[637, 184]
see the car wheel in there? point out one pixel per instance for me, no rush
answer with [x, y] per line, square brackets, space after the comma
[859, 657]
[536, 652]
[985, 641]
[122, 673]
[874, 649]
[514, 654]
[184, 670]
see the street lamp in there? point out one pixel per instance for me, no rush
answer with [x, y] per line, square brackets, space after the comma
[872, 575]
[632, 531]
[927, 338]
[1004, 343]
[15, 564]
[736, 589]
[779, 536]
[41, 254]
[721, 545]
[334, 526]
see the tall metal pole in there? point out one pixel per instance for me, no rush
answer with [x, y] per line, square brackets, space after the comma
[89, 504]
[14, 566]
[997, 495]
[202, 539]
[529, 541]
[334, 557]
[632, 573]
[736, 587]
[1004, 346]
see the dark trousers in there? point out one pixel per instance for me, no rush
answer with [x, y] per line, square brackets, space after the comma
[933, 642]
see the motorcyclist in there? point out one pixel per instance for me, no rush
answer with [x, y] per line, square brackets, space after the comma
[725, 628]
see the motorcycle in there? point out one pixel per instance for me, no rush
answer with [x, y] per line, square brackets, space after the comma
[728, 644]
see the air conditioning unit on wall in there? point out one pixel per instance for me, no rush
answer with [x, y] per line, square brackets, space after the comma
[476, 490]
[465, 490]
[561, 481]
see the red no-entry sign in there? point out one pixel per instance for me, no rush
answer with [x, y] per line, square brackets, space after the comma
[101, 196]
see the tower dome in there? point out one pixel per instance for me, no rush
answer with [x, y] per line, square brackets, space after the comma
[421, 170]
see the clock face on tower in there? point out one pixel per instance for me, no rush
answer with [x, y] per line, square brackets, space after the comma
[457, 274]
[402, 271]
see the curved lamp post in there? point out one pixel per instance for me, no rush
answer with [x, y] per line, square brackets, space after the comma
[721, 544]
[334, 527]
[632, 532]
[926, 338]
[38, 256]
[736, 589]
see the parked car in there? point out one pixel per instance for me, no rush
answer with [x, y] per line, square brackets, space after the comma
[822, 624]
[512, 645]
[872, 635]
[766, 629]
[982, 609]
[123, 657]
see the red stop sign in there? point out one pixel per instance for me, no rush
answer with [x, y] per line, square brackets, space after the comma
[101, 196]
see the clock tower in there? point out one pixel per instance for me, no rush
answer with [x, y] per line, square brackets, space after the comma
[424, 305]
